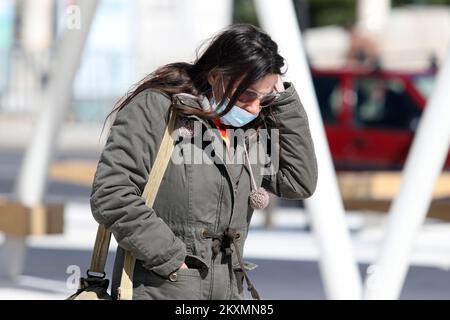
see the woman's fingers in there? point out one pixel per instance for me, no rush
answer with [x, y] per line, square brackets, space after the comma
[280, 84]
[184, 266]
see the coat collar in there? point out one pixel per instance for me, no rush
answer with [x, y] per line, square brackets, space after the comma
[198, 102]
[202, 103]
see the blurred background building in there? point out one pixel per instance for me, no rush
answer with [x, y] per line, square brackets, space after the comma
[121, 53]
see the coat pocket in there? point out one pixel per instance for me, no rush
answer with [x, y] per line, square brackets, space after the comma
[185, 285]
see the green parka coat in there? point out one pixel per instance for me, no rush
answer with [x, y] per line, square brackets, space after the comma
[195, 200]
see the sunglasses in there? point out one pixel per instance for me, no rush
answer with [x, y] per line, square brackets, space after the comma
[265, 100]
[250, 95]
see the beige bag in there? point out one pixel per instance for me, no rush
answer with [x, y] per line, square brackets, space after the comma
[95, 286]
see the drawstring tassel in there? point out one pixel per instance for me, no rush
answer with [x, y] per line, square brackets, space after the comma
[259, 197]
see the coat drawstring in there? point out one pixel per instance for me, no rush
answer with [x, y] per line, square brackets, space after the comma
[222, 242]
[259, 197]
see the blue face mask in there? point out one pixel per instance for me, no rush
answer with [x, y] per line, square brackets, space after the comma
[236, 117]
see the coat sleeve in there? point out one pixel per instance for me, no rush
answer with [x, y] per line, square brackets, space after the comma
[296, 174]
[120, 179]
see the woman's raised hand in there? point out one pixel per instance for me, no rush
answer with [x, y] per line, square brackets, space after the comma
[279, 87]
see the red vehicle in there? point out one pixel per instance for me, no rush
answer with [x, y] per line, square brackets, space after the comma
[371, 116]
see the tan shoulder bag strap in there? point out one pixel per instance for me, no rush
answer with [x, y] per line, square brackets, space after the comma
[100, 252]
[150, 192]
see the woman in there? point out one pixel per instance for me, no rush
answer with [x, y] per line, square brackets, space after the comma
[190, 244]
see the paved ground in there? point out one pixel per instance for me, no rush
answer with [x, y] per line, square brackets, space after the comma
[287, 255]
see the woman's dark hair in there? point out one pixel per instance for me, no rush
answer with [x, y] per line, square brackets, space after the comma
[241, 52]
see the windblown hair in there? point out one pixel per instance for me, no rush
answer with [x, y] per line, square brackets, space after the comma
[242, 53]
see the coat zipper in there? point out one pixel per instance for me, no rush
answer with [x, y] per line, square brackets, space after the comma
[216, 225]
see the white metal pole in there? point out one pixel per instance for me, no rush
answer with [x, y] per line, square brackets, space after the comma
[34, 171]
[338, 267]
[408, 211]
